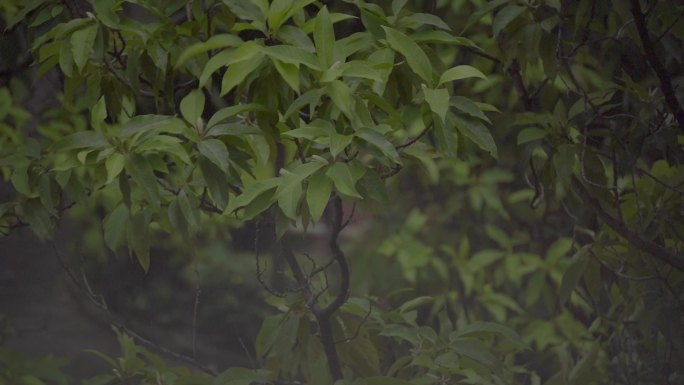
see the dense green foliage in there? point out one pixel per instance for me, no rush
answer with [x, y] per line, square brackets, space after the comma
[517, 165]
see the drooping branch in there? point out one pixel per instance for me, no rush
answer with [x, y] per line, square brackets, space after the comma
[99, 302]
[632, 237]
[656, 64]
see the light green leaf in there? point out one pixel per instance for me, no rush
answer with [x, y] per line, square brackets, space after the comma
[114, 165]
[417, 20]
[344, 181]
[438, 100]
[82, 41]
[247, 9]
[214, 42]
[415, 56]
[339, 142]
[324, 37]
[461, 72]
[397, 6]
[142, 173]
[227, 112]
[115, 226]
[341, 95]
[469, 107]
[139, 239]
[289, 189]
[505, 16]
[478, 133]
[237, 72]
[192, 106]
[81, 139]
[216, 182]
[572, 275]
[227, 57]
[252, 192]
[310, 98]
[144, 123]
[380, 142]
[415, 303]
[531, 134]
[189, 209]
[479, 327]
[318, 194]
[289, 72]
[293, 55]
[216, 151]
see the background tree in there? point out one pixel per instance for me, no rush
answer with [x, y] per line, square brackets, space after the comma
[545, 251]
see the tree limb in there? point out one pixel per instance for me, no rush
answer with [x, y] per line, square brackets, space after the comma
[632, 237]
[656, 64]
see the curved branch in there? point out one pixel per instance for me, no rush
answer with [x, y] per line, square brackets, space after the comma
[632, 237]
[656, 64]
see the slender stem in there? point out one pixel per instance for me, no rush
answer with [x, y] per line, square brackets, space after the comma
[656, 64]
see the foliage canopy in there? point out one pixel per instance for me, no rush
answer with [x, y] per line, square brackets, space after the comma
[535, 146]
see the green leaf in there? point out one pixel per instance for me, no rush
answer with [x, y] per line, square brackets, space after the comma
[469, 107]
[216, 182]
[228, 57]
[385, 380]
[192, 106]
[505, 16]
[115, 226]
[345, 182]
[142, 173]
[247, 9]
[461, 72]
[216, 151]
[146, 123]
[82, 41]
[227, 112]
[318, 194]
[417, 20]
[572, 275]
[251, 193]
[293, 55]
[81, 139]
[339, 142]
[237, 72]
[478, 133]
[341, 95]
[438, 100]
[414, 55]
[397, 6]
[289, 72]
[324, 37]
[531, 134]
[214, 42]
[415, 303]
[289, 189]
[139, 239]
[189, 208]
[479, 327]
[379, 141]
[114, 165]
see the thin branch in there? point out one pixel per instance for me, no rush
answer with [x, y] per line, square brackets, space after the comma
[358, 327]
[102, 306]
[656, 64]
[635, 239]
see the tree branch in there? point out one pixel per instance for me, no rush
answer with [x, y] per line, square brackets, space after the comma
[656, 64]
[632, 237]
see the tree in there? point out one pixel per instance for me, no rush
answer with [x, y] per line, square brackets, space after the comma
[534, 145]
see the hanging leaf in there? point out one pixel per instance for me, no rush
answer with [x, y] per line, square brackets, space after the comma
[414, 55]
[81, 42]
[478, 133]
[460, 72]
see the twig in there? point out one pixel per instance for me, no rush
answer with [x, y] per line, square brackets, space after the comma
[358, 327]
[635, 239]
[102, 306]
[656, 64]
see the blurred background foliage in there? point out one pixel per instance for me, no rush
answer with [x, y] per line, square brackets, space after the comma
[564, 239]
